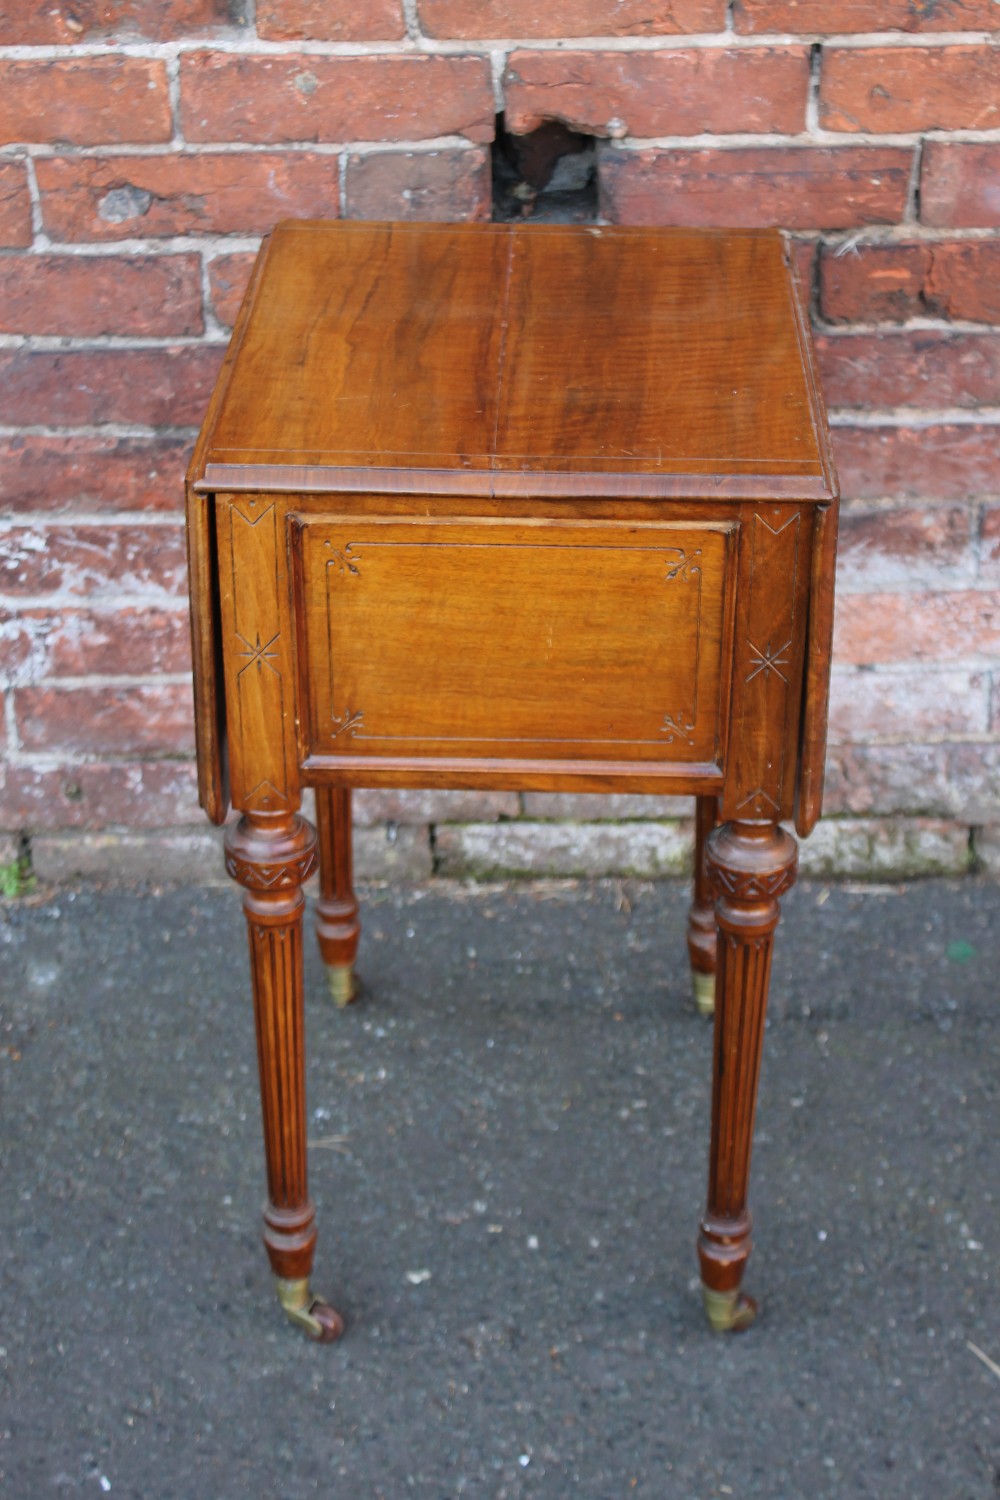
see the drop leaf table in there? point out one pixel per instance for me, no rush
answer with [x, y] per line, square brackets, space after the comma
[522, 507]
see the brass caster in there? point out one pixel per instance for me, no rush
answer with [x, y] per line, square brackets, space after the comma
[704, 992]
[728, 1312]
[343, 985]
[320, 1321]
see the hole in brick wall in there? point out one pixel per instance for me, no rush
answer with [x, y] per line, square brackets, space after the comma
[550, 174]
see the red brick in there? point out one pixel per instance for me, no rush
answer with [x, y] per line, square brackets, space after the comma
[799, 187]
[873, 628]
[98, 562]
[893, 282]
[166, 387]
[15, 206]
[84, 101]
[418, 185]
[960, 185]
[86, 198]
[227, 279]
[666, 92]
[123, 642]
[85, 295]
[309, 98]
[372, 807]
[839, 17]
[330, 20]
[119, 720]
[468, 19]
[46, 474]
[874, 705]
[910, 88]
[42, 23]
[989, 565]
[81, 643]
[905, 549]
[926, 368]
[133, 794]
[947, 462]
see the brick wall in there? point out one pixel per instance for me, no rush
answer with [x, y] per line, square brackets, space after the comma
[146, 146]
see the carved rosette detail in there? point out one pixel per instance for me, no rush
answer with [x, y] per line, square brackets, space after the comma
[271, 877]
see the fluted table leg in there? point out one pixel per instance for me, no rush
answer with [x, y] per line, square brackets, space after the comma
[271, 857]
[750, 866]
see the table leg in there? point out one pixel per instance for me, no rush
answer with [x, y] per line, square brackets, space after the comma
[750, 866]
[337, 925]
[271, 857]
[702, 934]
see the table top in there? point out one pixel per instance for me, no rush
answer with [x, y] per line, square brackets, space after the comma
[489, 359]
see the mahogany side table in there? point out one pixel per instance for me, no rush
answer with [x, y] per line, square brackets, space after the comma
[523, 507]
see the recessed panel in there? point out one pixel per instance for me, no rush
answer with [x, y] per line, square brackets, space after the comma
[457, 639]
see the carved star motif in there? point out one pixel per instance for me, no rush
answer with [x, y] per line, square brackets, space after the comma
[769, 660]
[259, 655]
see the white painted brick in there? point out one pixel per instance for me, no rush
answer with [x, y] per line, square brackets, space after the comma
[488, 851]
[884, 849]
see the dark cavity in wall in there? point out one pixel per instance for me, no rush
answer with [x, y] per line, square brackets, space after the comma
[549, 175]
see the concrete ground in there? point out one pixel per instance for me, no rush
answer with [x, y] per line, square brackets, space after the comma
[510, 1143]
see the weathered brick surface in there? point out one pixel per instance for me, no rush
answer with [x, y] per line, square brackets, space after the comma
[986, 849]
[800, 187]
[874, 628]
[594, 807]
[990, 554]
[310, 98]
[418, 185]
[40, 23]
[837, 17]
[330, 20]
[906, 549]
[99, 101]
[493, 851]
[94, 654]
[937, 461]
[83, 296]
[910, 88]
[15, 206]
[894, 282]
[466, 19]
[88, 474]
[87, 198]
[925, 369]
[666, 92]
[130, 793]
[114, 643]
[881, 850]
[909, 701]
[162, 387]
[228, 276]
[95, 561]
[960, 185]
[372, 807]
[134, 719]
[169, 856]
[960, 781]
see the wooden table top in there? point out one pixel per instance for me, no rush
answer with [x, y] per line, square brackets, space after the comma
[489, 359]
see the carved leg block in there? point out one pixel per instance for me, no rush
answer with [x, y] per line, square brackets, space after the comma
[271, 857]
[750, 866]
[702, 934]
[337, 924]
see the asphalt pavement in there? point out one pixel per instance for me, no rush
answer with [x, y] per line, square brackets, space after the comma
[509, 1147]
